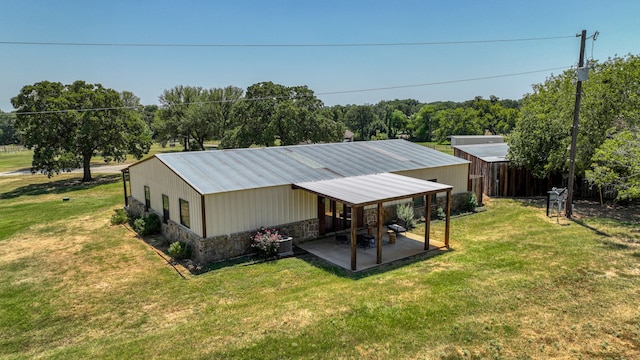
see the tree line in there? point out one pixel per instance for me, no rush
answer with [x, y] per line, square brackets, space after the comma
[52, 119]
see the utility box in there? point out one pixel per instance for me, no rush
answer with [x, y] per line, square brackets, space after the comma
[557, 197]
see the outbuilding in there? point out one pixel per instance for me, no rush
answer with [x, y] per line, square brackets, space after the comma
[213, 200]
[499, 177]
[457, 140]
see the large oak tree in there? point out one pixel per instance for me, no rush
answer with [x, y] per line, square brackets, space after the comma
[66, 125]
[610, 104]
[272, 113]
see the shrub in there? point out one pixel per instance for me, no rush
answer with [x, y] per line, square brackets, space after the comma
[120, 217]
[152, 224]
[179, 250]
[405, 213]
[138, 225]
[147, 225]
[471, 202]
[266, 242]
[440, 214]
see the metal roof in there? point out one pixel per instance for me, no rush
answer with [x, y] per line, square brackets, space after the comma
[487, 152]
[371, 189]
[219, 171]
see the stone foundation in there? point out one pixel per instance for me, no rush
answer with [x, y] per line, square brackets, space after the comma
[389, 212]
[223, 247]
[135, 207]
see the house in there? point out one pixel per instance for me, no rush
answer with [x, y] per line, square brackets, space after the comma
[213, 200]
[499, 177]
[457, 140]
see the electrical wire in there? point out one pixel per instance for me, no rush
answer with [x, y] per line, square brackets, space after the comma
[315, 94]
[427, 43]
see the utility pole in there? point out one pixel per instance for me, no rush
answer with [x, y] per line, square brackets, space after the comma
[574, 130]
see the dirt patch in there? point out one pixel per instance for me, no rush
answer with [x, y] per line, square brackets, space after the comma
[592, 209]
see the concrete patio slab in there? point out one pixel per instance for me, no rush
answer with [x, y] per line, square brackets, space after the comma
[339, 253]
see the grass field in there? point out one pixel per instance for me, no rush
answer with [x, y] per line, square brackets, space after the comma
[445, 148]
[516, 285]
[19, 160]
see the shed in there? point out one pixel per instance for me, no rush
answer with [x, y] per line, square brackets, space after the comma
[457, 140]
[213, 200]
[499, 178]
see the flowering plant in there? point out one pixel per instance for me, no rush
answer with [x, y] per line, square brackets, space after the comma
[266, 242]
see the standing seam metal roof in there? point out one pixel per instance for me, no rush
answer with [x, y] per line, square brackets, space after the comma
[370, 189]
[487, 152]
[219, 171]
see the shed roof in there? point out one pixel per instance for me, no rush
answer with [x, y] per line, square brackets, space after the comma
[218, 171]
[496, 152]
[371, 189]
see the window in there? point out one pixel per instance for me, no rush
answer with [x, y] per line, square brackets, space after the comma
[184, 213]
[418, 201]
[165, 208]
[147, 198]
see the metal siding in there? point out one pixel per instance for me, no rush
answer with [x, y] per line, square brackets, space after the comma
[454, 175]
[238, 211]
[162, 180]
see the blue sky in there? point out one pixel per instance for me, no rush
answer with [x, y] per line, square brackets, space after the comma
[147, 71]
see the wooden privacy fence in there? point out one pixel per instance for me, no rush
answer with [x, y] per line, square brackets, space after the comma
[590, 191]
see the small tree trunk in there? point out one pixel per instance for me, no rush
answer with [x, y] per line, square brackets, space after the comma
[86, 166]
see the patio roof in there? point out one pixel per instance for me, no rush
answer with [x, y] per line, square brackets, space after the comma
[359, 191]
[372, 189]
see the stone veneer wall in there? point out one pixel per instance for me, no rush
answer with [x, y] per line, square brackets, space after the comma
[457, 204]
[135, 207]
[205, 250]
[228, 246]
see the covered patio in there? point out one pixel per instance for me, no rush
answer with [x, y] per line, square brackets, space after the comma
[377, 189]
[337, 253]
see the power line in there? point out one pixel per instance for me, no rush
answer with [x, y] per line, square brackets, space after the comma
[316, 94]
[444, 82]
[426, 43]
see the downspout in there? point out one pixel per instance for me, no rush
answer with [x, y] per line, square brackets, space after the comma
[204, 217]
[124, 184]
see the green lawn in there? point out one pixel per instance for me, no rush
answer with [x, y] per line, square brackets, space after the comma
[18, 160]
[516, 285]
[445, 148]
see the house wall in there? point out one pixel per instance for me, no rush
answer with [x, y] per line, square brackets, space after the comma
[238, 211]
[161, 180]
[454, 175]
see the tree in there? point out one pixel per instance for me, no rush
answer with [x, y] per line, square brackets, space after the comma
[273, 114]
[7, 129]
[421, 123]
[617, 162]
[66, 125]
[359, 119]
[610, 104]
[460, 121]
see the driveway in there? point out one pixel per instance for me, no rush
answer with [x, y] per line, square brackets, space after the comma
[95, 169]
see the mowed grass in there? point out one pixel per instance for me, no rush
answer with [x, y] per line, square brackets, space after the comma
[515, 285]
[445, 148]
[21, 160]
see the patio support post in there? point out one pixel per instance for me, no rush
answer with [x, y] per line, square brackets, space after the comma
[354, 240]
[427, 223]
[448, 223]
[379, 235]
[124, 183]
